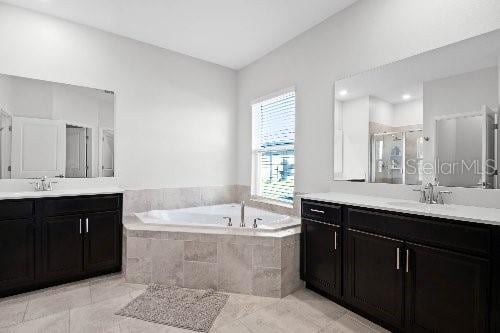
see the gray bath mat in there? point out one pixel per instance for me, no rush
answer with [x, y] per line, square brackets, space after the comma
[173, 306]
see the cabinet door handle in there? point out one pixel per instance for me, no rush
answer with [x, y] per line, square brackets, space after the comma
[407, 261]
[335, 241]
[317, 211]
[397, 258]
[87, 225]
[80, 226]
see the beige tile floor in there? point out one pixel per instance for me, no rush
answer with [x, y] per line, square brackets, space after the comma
[89, 306]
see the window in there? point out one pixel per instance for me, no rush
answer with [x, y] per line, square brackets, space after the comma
[273, 147]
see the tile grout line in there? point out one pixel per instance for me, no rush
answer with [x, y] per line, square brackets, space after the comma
[258, 309]
[360, 322]
[26, 309]
[31, 320]
[242, 323]
[58, 312]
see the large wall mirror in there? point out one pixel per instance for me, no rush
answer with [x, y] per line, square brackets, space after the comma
[55, 130]
[429, 117]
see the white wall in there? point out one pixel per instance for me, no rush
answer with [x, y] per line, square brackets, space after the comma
[381, 112]
[107, 114]
[30, 98]
[355, 120]
[175, 115]
[409, 113]
[368, 34]
[5, 89]
[74, 107]
[395, 115]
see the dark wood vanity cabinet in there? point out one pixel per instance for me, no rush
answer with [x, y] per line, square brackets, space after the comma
[62, 247]
[409, 273]
[374, 281]
[60, 240]
[17, 243]
[17, 253]
[323, 256]
[321, 250]
[446, 291]
[102, 241]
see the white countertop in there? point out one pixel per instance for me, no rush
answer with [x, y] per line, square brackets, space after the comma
[447, 211]
[60, 193]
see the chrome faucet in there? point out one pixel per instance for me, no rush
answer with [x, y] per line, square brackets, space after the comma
[242, 223]
[229, 223]
[43, 184]
[430, 195]
[38, 185]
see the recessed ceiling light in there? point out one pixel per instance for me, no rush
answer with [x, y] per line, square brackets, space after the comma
[343, 92]
[406, 97]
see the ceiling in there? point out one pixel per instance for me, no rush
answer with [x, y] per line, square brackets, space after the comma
[407, 76]
[231, 33]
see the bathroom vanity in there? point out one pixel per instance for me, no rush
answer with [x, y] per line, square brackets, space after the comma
[408, 266]
[47, 238]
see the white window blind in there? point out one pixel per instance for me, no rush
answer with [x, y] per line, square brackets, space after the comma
[274, 147]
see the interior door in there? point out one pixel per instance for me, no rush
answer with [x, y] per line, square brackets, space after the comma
[489, 161]
[452, 148]
[107, 153]
[76, 152]
[322, 252]
[5, 145]
[38, 147]
[446, 291]
[375, 275]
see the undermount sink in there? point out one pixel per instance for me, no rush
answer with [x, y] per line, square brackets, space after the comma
[407, 204]
[419, 205]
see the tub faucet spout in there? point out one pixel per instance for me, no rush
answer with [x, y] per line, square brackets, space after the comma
[242, 224]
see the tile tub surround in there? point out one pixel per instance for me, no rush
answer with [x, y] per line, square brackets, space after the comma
[260, 263]
[244, 194]
[138, 201]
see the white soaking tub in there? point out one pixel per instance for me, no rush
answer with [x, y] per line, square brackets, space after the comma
[213, 217]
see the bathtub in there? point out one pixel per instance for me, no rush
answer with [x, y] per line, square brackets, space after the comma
[213, 217]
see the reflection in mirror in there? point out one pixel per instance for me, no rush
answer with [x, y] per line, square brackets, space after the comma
[473, 153]
[55, 130]
[431, 117]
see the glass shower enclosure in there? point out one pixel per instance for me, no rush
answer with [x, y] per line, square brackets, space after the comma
[396, 157]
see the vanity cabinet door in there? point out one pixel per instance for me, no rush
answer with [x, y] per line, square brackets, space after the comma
[17, 253]
[375, 269]
[446, 291]
[102, 244]
[62, 247]
[322, 256]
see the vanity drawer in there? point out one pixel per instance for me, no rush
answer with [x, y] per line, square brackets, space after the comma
[83, 204]
[16, 209]
[440, 233]
[321, 212]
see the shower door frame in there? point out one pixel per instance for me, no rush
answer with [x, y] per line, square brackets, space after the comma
[371, 165]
